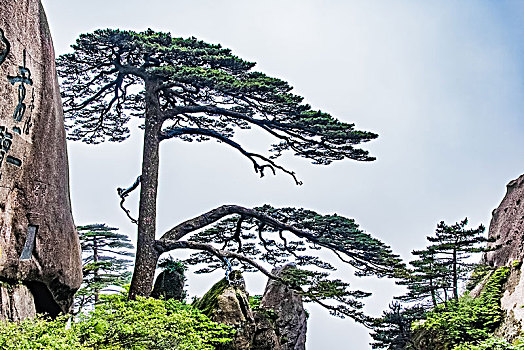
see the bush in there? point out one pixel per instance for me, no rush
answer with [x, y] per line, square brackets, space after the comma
[468, 319]
[142, 324]
[39, 333]
[492, 343]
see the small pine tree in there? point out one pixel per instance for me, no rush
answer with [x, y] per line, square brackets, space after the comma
[427, 279]
[393, 330]
[455, 244]
[107, 257]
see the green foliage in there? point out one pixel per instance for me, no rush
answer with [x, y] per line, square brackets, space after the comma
[254, 302]
[468, 319]
[315, 286]
[172, 265]
[517, 264]
[440, 267]
[148, 323]
[393, 330]
[478, 273]
[39, 333]
[269, 313]
[454, 243]
[493, 343]
[428, 279]
[119, 324]
[98, 78]
[261, 241]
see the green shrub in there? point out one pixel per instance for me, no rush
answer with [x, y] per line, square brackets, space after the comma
[468, 319]
[492, 343]
[118, 324]
[172, 265]
[480, 271]
[254, 302]
[39, 333]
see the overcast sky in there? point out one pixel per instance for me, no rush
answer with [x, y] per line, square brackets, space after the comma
[441, 82]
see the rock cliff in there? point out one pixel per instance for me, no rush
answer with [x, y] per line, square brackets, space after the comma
[507, 226]
[507, 229]
[40, 266]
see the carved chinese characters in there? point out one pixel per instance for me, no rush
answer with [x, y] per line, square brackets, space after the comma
[19, 81]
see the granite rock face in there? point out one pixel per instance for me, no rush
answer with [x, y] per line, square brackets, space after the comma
[39, 248]
[290, 316]
[16, 302]
[507, 226]
[266, 336]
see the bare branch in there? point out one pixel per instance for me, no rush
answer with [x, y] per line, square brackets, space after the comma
[165, 246]
[259, 168]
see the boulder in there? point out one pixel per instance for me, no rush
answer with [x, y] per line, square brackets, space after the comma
[290, 318]
[228, 302]
[278, 323]
[39, 247]
[169, 285]
[16, 302]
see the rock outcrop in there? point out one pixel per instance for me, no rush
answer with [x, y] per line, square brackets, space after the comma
[507, 229]
[16, 302]
[278, 323]
[39, 250]
[507, 226]
[228, 302]
[290, 318]
[169, 285]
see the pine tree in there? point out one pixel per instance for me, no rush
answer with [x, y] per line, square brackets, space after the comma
[189, 90]
[107, 257]
[428, 279]
[455, 244]
[393, 331]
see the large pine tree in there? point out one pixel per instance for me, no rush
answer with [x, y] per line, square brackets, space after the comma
[190, 90]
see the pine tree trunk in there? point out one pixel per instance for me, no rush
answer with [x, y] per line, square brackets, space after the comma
[95, 271]
[455, 277]
[146, 254]
[432, 288]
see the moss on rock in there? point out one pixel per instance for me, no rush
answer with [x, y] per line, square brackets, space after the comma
[209, 302]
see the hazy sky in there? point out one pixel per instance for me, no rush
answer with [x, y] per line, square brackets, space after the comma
[441, 82]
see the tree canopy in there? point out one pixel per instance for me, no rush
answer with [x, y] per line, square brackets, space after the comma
[190, 90]
[204, 92]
